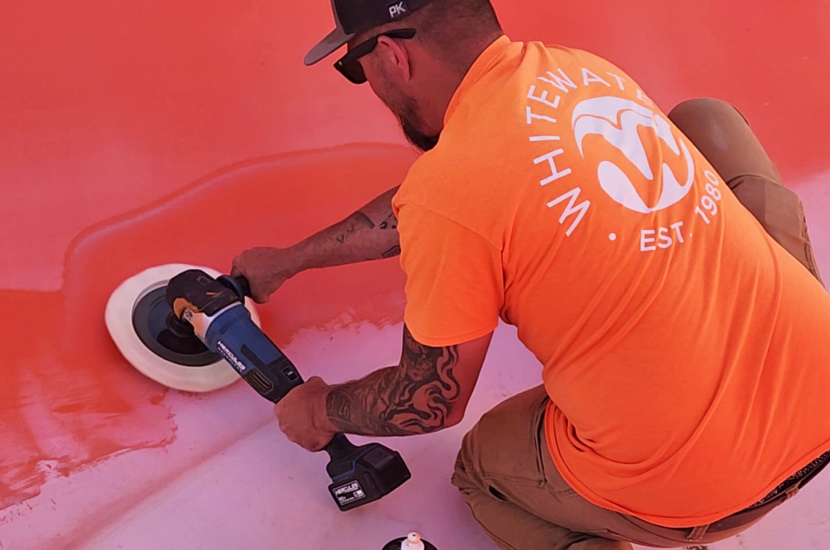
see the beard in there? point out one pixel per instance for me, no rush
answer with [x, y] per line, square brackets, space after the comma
[417, 138]
[409, 120]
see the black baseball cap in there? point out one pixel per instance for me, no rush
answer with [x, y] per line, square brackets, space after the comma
[355, 16]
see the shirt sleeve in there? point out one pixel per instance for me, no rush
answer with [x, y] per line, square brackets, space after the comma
[454, 279]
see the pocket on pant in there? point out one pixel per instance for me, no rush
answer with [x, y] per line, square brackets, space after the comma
[496, 493]
[505, 445]
[554, 482]
[559, 487]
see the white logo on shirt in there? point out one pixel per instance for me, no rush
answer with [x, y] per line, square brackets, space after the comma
[617, 120]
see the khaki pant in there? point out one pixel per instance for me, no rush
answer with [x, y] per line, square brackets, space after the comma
[504, 469]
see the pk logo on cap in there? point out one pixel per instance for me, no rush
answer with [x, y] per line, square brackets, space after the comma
[398, 9]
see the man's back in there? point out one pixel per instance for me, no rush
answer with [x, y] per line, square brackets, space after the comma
[683, 350]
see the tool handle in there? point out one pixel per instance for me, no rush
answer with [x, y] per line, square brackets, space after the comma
[359, 475]
[259, 361]
[243, 284]
[340, 447]
[239, 285]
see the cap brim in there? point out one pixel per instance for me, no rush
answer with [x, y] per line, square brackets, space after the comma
[330, 44]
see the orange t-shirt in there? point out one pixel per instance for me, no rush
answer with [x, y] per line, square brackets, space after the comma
[686, 354]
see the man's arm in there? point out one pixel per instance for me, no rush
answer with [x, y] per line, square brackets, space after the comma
[427, 392]
[371, 233]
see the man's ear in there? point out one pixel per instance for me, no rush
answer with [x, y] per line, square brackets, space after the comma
[394, 57]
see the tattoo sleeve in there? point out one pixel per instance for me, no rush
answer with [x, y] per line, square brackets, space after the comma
[392, 252]
[358, 221]
[361, 238]
[415, 397]
[391, 222]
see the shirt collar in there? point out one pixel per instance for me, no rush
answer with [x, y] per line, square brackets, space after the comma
[479, 69]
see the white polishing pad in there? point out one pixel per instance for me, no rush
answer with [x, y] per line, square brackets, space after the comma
[119, 315]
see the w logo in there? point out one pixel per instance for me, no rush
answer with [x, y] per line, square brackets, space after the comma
[617, 121]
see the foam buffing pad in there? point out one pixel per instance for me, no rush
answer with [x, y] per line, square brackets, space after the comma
[196, 371]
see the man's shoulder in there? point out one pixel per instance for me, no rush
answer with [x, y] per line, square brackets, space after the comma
[436, 181]
[508, 136]
[463, 169]
[447, 186]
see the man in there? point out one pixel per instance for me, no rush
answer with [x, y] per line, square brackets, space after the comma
[655, 266]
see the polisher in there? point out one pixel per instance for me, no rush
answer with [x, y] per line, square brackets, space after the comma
[193, 329]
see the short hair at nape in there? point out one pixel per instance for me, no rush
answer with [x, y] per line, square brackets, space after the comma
[447, 26]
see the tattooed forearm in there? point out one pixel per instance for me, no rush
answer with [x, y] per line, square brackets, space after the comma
[415, 397]
[356, 222]
[358, 231]
[355, 408]
[366, 220]
[369, 234]
[392, 252]
[391, 222]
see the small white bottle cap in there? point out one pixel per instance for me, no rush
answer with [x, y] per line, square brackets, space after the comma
[413, 542]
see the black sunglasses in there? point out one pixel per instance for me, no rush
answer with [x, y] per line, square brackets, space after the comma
[350, 67]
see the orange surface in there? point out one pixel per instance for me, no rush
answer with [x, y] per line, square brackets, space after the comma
[97, 404]
[127, 133]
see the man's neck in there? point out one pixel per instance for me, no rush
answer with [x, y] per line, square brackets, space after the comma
[450, 75]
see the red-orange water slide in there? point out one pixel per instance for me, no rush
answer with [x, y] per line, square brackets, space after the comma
[122, 122]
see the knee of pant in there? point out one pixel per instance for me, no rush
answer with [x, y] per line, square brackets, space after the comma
[469, 462]
[702, 108]
[464, 471]
[723, 135]
[467, 481]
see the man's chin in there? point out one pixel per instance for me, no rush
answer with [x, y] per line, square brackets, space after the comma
[417, 138]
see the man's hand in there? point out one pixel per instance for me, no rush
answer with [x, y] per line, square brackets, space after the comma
[266, 270]
[302, 415]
